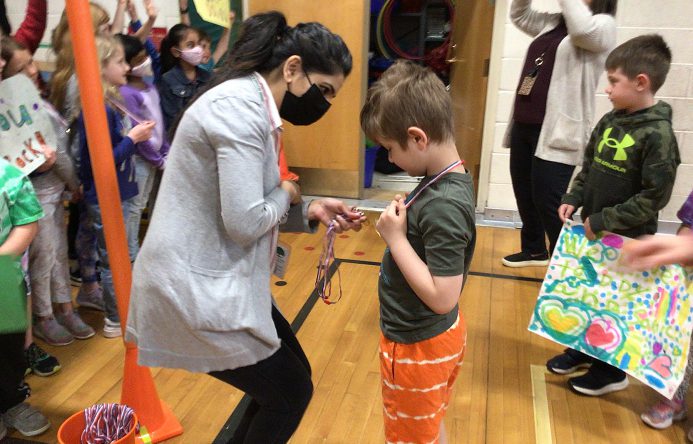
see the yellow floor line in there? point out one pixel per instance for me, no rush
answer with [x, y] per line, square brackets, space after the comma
[542, 420]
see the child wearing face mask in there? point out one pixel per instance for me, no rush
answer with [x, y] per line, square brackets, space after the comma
[181, 54]
[142, 100]
[124, 137]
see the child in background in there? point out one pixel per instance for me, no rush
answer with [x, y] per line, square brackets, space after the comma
[48, 262]
[645, 254]
[430, 240]
[142, 100]
[181, 55]
[209, 61]
[113, 73]
[136, 25]
[627, 175]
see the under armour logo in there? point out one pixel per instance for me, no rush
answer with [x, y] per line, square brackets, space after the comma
[620, 147]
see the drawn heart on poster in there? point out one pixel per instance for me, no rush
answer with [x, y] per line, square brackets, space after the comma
[662, 366]
[603, 333]
[562, 319]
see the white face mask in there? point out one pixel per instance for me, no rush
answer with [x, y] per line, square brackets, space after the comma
[144, 69]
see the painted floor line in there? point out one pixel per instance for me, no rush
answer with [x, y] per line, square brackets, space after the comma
[542, 419]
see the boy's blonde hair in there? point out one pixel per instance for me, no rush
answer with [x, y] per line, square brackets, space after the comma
[407, 95]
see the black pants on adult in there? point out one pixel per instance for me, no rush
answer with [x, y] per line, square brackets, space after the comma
[13, 390]
[280, 386]
[539, 185]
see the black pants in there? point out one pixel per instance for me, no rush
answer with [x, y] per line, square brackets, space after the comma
[539, 186]
[13, 390]
[280, 386]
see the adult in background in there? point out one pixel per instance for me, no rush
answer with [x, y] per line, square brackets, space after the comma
[201, 296]
[553, 112]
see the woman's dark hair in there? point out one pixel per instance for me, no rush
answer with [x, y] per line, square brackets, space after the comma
[9, 47]
[131, 46]
[604, 7]
[173, 38]
[266, 41]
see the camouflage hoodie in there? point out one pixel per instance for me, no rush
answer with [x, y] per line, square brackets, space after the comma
[628, 171]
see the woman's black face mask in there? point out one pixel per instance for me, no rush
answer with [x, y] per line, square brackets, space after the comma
[306, 109]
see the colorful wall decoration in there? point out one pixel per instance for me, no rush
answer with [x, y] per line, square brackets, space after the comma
[640, 322]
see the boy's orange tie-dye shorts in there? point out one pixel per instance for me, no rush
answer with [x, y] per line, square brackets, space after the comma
[417, 380]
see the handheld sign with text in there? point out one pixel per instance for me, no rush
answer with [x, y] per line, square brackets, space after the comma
[25, 125]
[214, 11]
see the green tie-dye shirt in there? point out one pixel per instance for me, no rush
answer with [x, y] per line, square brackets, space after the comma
[18, 202]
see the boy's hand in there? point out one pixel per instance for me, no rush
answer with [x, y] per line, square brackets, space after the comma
[132, 11]
[392, 224]
[152, 10]
[565, 211]
[588, 230]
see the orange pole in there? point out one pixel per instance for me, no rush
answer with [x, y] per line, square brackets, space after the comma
[138, 391]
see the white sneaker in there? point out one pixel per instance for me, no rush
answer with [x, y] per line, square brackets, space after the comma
[111, 329]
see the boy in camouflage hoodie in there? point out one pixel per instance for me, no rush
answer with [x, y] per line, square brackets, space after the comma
[627, 175]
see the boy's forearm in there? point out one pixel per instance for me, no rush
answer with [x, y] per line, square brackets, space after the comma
[19, 239]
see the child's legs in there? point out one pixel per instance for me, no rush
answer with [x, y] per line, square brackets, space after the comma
[12, 368]
[86, 247]
[417, 381]
[109, 297]
[105, 267]
[42, 254]
[60, 277]
[144, 176]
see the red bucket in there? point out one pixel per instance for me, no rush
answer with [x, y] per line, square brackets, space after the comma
[71, 429]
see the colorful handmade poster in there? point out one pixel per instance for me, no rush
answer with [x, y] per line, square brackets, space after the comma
[25, 125]
[214, 11]
[640, 322]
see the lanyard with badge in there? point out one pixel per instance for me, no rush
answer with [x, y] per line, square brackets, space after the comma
[528, 81]
[279, 251]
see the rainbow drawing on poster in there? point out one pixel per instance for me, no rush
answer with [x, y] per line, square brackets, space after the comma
[638, 321]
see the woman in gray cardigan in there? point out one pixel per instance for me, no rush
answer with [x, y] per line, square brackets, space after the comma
[201, 296]
[553, 112]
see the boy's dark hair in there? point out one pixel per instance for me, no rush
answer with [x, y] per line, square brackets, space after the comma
[407, 95]
[131, 46]
[604, 6]
[9, 47]
[645, 54]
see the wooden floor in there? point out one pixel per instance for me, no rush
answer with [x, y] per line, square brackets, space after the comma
[503, 394]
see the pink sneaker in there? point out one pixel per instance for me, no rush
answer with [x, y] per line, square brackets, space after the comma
[664, 413]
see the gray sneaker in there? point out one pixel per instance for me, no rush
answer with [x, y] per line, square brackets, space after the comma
[75, 325]
[27, 420]
[92, 299]
[53, 333]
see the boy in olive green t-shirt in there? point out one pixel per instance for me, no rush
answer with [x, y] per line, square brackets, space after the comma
[430, 240]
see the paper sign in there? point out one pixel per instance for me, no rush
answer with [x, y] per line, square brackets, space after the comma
[214, 11]
[25, 125]
[640, 322]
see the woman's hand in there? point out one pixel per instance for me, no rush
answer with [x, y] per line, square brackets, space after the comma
[293, 189]
[392, 224]
[330, 210]
[142, 131]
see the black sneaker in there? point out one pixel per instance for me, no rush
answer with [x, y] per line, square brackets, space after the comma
[592, 384]
[39, 361]
[567, 362]
[523, 259]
